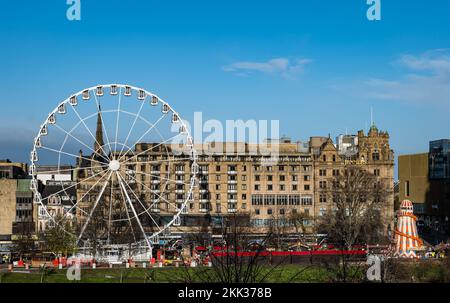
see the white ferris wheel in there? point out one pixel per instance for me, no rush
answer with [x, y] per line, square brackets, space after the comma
[124, 148]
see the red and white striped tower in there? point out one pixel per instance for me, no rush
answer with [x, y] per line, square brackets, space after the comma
[406, 237]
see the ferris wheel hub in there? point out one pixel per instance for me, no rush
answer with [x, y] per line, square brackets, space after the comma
[114, 165]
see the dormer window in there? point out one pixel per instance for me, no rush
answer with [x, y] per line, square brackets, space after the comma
[324, 158]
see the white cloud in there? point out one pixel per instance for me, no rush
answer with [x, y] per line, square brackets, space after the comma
[278, 66]
[426, 79]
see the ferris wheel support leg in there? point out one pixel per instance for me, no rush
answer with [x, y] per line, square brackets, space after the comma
[93, 209]
[134, 211]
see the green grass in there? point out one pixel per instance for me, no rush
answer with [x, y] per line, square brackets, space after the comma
[287, 273]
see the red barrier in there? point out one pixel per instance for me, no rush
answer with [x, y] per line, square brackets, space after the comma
[292, 253]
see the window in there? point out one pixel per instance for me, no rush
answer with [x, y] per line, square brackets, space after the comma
[282, 187]
[282, 200]
[282, 178]
[322, 211]
[282, 211]
[294, 187]
[322, 172]
[306, 200]
[334, 158]
[217, 186]
[257, 212]
[322, 198]
[257, 178]
[269, 200]
[306, 177]
[257, 200]
[376, 155]
[270, 178]
[294, 199]
[294, 178]
[376, 172]
[270, 187]
[244, 196]
[281, 168]
[407, 188]
[306, 187]
[269, 211]
[336, 172]
[324, 158]
[257, 187]
[217, 167]
[244, 186]
[217, 177]
[244, 177]
[323, 184]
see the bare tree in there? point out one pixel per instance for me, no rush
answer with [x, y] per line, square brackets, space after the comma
[239, 260]
[356, 215]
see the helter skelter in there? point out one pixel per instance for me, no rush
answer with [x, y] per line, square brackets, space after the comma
[123, 145]
[406, 236]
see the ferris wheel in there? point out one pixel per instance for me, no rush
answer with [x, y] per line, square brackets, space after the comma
[131, 161]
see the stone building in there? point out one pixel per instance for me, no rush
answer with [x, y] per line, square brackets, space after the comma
[18, 216]
[234, 179]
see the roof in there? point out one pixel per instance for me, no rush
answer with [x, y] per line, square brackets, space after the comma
[54, 168]
[60, 190]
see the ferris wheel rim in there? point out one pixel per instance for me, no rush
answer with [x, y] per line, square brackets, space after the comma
[61, 106]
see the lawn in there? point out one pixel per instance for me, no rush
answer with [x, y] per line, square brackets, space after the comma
[287, 273]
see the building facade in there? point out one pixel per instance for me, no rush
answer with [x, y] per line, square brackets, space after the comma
[237, 179]
[424, 179]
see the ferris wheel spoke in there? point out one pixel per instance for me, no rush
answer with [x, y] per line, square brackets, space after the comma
[148, 130]
[134, 210]
[89, 131]
[143, 206]
[159, 196]
[69, 154]
[84, 195]
[132, 126]
[152, 191]
[93, 208]
[84, 144]
[110, 210]
[162, 178]
[75, 185]
[150, 149]
[124, 200]
[103, 123]
[117, 121]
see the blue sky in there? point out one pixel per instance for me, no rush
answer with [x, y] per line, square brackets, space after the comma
[317, 66]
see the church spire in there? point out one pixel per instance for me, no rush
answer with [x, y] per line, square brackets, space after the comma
[98, 146]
